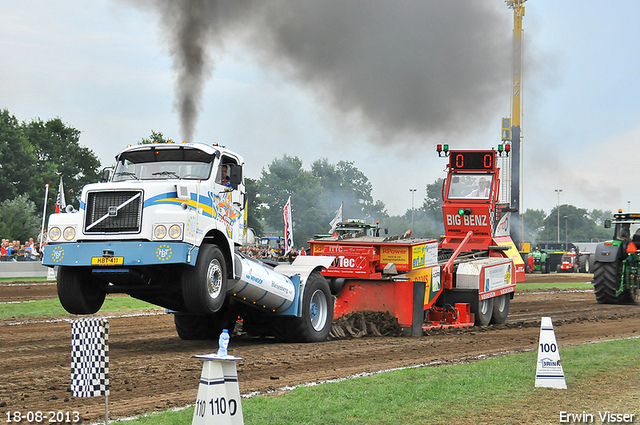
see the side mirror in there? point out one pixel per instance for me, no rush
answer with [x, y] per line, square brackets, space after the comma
[235, 174]
[607, 223]
[106, 174]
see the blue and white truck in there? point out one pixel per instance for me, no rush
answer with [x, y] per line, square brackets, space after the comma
[164, 227]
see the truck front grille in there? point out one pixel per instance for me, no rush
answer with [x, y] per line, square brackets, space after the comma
[113, 212]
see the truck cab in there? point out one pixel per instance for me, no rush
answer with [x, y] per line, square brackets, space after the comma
[134, 232]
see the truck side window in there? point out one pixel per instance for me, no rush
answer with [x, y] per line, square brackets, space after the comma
[224, 176]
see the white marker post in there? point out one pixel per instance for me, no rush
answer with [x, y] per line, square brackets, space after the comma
[549, 372]
[218, 400]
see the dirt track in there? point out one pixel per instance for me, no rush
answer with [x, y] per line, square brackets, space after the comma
[152, 369]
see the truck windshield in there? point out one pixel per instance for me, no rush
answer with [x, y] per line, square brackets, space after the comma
[160, 165]
[470, 186]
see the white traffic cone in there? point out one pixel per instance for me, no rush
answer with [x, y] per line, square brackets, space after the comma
[549, 372]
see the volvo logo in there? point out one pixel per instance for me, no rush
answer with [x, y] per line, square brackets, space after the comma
[113, 211]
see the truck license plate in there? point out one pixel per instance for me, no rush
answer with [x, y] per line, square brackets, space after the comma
[107, 261]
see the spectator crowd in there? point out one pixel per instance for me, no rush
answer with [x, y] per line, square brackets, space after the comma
[16, 251]
[270, 253]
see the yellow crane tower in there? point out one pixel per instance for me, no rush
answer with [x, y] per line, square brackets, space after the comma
[511, 127]
[518, 14]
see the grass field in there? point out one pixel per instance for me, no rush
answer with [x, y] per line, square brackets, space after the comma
[52, 307]
[600, 377]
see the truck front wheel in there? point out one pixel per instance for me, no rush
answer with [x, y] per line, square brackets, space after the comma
[78, 292]
[204, 287]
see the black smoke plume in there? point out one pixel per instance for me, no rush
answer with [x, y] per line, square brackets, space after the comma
[400, 68]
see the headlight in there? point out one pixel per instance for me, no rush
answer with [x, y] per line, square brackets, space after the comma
[69, 233]
[54, 233]
[175, 231]
[160, 231]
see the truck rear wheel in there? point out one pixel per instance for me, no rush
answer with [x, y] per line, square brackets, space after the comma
[500, 309]
[204, 286]
[605, 282]
[78, 292]
[317, 314]
[483, 310]
[204, 327]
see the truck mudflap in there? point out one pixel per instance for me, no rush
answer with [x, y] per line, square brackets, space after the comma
[109, 254]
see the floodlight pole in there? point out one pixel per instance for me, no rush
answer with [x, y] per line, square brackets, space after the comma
[413, 192]
[558, 192]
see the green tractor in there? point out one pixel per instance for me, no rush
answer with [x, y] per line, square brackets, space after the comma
[617, 264]
[539, 263]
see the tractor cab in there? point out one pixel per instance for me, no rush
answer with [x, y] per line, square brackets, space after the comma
[617, 262]
[625, 227]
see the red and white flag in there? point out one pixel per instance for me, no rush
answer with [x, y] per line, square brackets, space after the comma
[61, 204]
[288, 228]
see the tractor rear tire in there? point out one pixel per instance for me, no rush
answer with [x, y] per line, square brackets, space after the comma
[78, 291]
[583, 264]
[592, 262]
[605, 282]
[500, 309]
[483, 310]
[204, 286]
[317, 314]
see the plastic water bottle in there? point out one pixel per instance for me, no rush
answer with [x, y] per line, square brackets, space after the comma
[223, 343]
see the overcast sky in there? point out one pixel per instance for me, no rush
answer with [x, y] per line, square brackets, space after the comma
[375, 82]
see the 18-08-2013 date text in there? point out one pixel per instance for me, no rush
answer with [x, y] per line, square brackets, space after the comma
[41, 417]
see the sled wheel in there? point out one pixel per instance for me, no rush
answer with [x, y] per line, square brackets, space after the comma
[500, 309]
[78, 292]
[317, 314]
[204, 287]
[483, 311]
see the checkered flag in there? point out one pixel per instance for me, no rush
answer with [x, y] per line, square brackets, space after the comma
[90, 357]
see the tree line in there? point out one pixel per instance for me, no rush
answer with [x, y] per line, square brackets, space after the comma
[38, 152]
[33, 154]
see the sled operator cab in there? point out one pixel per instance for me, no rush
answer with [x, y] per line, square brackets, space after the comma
[471, 193]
